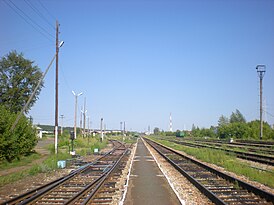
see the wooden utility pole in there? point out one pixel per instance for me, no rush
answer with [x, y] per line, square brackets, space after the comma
[56, 91]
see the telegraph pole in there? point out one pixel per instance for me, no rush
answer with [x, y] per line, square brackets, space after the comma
[75, 112]
[85, 117]
[62, 117]
[124, 132]
[102, 134]
[170, 123]
[56, 91]
[261, 71]
[81, 115]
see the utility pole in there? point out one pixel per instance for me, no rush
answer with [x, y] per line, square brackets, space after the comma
[170, 123]
[85, 111]
[261, 71]
[75, 112]
[62, 118]
[88, 129]
[121, 127]
[124, 132]
[81, 115]
[56, 92]
[88, 125]
[102, 134]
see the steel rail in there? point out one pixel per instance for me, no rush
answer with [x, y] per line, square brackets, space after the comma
[213, 197]
[37, 192]
[232, 145]
[262, 144]
[99, 184]
[265, 159]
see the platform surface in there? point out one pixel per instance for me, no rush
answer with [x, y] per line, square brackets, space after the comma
[147, 184]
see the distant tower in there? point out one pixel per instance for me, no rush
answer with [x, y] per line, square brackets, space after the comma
[170, 123]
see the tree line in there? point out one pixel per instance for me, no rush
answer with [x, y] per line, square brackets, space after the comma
[234, 126]
[18, 79]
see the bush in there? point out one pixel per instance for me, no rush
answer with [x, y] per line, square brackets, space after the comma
[18, 142]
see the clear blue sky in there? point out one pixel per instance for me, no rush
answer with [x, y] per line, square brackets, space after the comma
[139, 60]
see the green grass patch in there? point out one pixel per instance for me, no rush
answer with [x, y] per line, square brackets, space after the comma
[13, 177]
[47, 165]
[227, 161]
[25, 160]
[82, 146]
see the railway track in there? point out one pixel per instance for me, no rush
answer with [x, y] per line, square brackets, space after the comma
[90, 184]
[265, 159]
[220, 188]
[251, 147]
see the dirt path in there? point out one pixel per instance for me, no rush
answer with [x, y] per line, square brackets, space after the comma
[40, 148]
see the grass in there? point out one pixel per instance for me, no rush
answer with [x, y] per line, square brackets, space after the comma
[228, 161]
[82, 146]
[47, 165]
[25, 160]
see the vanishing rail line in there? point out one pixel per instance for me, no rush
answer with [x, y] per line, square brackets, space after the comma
[80, 186]
[265, 159]
[220, 188]
[245, 145]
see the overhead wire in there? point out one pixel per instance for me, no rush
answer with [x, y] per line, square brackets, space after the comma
[28, 20]
[32, 20]
[46, 10]
[268, 113]
[38, 13]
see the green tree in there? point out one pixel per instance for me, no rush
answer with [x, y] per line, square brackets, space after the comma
[223, 120]
[18, 79]
[18, 142]
[236, 130]
[237, 116]
[254, 130]
[195, 131]
[156, 131]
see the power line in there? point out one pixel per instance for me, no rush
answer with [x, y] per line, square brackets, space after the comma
[32, 20]
[39, 13]
[26, 17]
[46, 10]
[268, 113]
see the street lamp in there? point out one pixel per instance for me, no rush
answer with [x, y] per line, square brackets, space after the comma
[75, 113]
[261, 71]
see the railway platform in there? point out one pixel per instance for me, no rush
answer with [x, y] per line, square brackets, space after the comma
[147, 184]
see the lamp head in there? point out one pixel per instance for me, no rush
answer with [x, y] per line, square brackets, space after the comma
[260, 68]
[61, 44]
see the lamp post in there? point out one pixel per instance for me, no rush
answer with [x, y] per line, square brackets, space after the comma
[75, 113]
[261, 71]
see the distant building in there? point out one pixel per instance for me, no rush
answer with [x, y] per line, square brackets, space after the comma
[39, 132]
